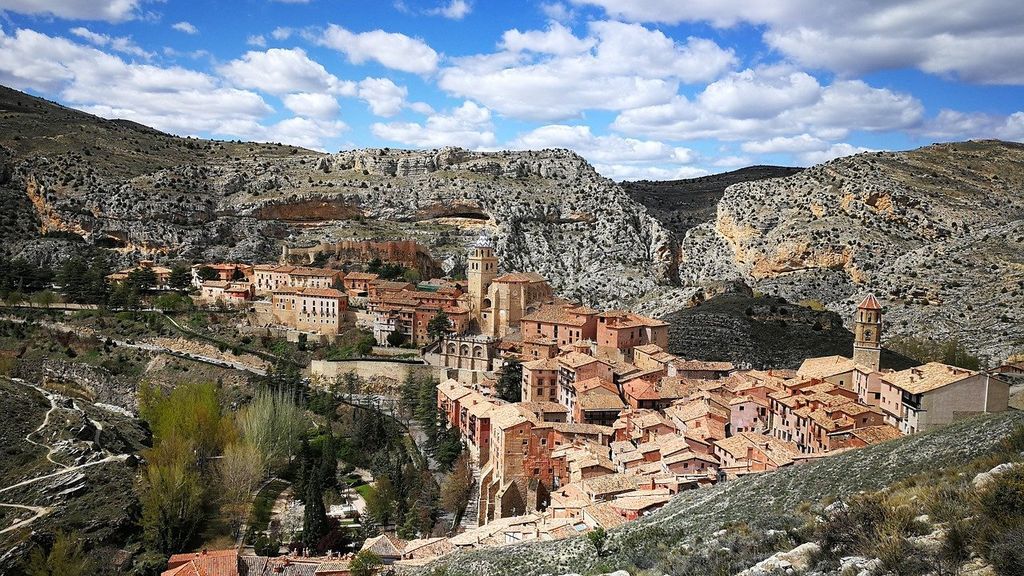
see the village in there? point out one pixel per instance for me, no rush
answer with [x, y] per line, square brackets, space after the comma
[605, 425]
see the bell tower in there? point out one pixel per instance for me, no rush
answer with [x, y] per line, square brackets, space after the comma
[481, 269]
[867, 343]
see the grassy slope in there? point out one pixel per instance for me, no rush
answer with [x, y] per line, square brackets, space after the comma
[697, 514]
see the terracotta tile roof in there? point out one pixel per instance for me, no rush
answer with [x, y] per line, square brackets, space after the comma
[876, 434]
[544, 407]
[927, 377]
[870, 303]
[207, 563]
[577, 359]
[779, 452]
[703, 366]
[452, 389]
[825, 367]
[604, 515]
[361, 276]
[520, 277]
[609, 484]
[222, 284]
[507, 416]
[384, 546]
[556, 314]
[599, 399]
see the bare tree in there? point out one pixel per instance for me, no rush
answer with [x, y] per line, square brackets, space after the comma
[239, 471]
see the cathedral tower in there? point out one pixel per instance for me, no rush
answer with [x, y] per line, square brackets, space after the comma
[481, 268]
[867, 343]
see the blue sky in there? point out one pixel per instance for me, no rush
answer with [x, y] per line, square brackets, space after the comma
[641, 88]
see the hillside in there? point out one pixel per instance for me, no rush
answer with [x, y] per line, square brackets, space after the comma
[936, 233]
[682, 204]
[761, 503]
[762, 332]
[124, 186]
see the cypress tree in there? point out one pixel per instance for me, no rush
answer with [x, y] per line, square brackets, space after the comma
[314, 518]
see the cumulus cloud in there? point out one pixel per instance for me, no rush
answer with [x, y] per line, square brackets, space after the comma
[789, 106]
[628, 66]
[981, 42]
[955, 125]
[186, 27]
[391, 49]
[557, 39]
[172, 98]
[614, 156]
[312, 104]
[256, 40]
[123, 44]
[453, 9]
[785, 145]
[469, 126]
[109, 10]
[831, 153]
[384, 96]
[558, 11]
[282, 71]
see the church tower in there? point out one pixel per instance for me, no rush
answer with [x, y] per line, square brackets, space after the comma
[481, 268]
[867, 343]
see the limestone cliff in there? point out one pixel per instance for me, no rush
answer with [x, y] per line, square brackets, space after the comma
[936, 233]
[145, 193]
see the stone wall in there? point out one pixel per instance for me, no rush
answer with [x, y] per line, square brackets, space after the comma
[327, 371]
[94, 382]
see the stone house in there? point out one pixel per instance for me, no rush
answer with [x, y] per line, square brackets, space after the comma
[619, 331]
[934, 394]
[225, 292]
[575, 367]
[749, 452]
[315, 310]
[540, 380]
[561, 323]
[596, 401]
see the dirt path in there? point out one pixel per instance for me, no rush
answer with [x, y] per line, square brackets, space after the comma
[40, 511]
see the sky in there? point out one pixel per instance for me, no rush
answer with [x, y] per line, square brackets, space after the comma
[643, 89]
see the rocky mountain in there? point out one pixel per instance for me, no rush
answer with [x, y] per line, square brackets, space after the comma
[762, 332]
[141, 192]
[682, 204]
[936, 233]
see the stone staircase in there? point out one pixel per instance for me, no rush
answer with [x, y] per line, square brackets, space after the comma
[469, 517]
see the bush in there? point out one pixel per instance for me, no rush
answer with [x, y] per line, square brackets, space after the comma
[999, 529]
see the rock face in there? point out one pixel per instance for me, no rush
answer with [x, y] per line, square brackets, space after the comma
[146, 193]
[936, 233]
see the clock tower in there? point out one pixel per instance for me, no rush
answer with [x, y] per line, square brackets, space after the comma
[867, 343]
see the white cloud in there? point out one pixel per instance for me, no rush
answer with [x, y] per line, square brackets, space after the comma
[614, 156]
[393, 50]
[384, 96]
[186, 27]
[421, 108]
[602, 149]
[831, 153]
[282, 71]
[453, 9]
[256, 40]
[982, 41]
[785, 145]
[628, 67]
[298, 131]
[123, 44]
[620, 172]
[760, 94]
[312, 104]
[469, 126]
[558, 11]
[173, 99]
[955, 125]
[282, 33]
[826, 112]
[557, 39]
[109, 10]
